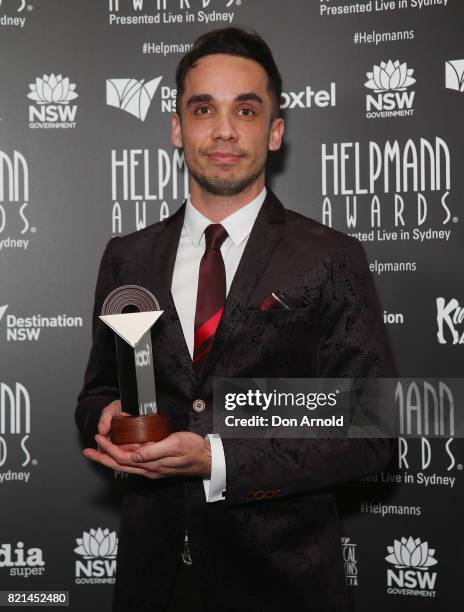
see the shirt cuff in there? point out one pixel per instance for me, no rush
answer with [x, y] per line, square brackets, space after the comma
[215, 487]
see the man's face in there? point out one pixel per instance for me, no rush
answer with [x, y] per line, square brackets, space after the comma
[226, 128]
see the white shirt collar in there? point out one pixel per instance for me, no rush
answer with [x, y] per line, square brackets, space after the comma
[238, 225]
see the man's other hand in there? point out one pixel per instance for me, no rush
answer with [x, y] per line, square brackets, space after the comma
[182, 453]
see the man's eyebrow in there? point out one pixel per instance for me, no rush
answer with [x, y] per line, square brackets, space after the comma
[250, 96]
[199, 98]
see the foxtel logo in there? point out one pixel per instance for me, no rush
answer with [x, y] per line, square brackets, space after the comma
[308, 97]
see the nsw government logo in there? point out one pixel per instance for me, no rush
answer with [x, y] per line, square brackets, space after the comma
[389, 81]
[52, 95]
[412, 560]
[97, 549]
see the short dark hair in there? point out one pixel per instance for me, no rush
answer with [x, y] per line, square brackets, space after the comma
[232, 41]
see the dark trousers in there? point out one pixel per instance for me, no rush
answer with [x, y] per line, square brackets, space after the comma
[185, 596]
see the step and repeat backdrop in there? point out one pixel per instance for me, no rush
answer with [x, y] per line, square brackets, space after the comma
[374, 107]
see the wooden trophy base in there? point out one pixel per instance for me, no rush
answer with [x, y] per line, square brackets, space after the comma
[139, 429]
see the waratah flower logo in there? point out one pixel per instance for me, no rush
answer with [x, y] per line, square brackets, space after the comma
[411, 553]
[97, 543]
[51, 89]
[390, 76]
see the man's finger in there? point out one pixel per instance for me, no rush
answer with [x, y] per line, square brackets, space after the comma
[120, 455]
[104, 425]
[109, 462]
[169, 447]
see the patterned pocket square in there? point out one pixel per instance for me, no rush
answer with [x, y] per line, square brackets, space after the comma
[274, 301]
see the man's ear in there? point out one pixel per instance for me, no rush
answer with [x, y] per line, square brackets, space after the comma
[176, 133]
[276, 134]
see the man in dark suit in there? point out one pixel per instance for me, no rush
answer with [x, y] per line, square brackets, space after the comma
[260, 517]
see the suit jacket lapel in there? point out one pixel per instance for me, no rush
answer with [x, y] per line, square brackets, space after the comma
[158, 278]
[265, 235]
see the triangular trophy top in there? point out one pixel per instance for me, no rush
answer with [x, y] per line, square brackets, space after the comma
[131, 326]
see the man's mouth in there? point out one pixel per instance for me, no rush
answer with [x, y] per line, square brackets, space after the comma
[223, 157]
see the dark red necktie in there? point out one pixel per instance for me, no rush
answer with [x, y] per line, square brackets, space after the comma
[211, 295]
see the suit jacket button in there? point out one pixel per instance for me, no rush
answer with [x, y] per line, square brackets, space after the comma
[199, 405]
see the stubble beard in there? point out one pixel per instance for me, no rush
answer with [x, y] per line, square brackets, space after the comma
[224, 186]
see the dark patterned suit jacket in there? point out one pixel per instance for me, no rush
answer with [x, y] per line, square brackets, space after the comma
[257, 550]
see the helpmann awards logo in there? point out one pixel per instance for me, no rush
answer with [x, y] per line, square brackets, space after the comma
[98, 549]
[15, 430]
[412, 560]
[15, 228]
[19, 10]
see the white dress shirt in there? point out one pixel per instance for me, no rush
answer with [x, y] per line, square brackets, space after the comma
[184, 290]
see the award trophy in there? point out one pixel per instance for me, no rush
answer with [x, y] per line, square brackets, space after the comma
[131, 311]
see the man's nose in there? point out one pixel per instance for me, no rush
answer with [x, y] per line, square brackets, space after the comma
[224, 128]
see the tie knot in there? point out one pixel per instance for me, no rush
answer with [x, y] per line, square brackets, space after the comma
[215, 235]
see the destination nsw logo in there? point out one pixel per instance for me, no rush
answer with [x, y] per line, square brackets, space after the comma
[29, 328]
[131, 95]
[412, 560]
[454, 75]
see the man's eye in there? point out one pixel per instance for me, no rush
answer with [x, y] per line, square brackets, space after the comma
[247, 112]
[202, 110]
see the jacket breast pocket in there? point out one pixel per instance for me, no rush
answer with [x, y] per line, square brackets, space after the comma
[280, 317]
